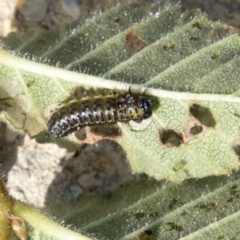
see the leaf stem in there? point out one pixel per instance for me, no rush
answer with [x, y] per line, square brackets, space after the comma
[42, 223]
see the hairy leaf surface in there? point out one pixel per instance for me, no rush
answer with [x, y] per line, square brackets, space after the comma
[187, 63]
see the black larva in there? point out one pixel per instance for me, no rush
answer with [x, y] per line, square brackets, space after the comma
[97, 110]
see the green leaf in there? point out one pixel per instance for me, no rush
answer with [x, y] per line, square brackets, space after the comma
[186, 63]
[43, 227]
[197, 209]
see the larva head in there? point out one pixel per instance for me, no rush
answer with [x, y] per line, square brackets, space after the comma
[146, 106]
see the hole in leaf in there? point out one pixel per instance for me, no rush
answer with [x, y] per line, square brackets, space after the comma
[170, 138]
[236, 149]
[203, 114]
[81, 134]
[196, 129]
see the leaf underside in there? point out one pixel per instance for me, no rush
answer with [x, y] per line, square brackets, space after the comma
[191, 66]
[197, 209]
[185, 61]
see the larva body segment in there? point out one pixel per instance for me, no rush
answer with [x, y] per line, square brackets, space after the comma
[98, 110]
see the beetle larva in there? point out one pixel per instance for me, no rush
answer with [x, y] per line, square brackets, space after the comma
[98, 110]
